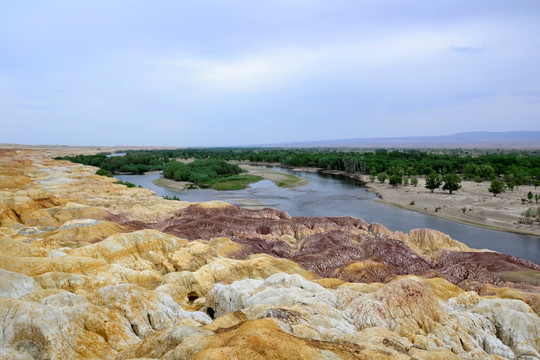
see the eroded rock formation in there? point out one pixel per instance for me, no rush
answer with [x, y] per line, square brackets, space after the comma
[93, 269]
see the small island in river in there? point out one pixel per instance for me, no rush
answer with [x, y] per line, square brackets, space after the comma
[219, 175]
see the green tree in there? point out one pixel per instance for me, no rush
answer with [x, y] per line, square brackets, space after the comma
[496, 187]
[511, 185]
[405, 181]
[530, 195]
[414, 182]
[433, 181]
[488, 172]
[395, 180]
[451, 182]
[536, 198]
[382, 177]
[470, 171]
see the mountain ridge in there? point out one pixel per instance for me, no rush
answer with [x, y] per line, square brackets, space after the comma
[475, 139]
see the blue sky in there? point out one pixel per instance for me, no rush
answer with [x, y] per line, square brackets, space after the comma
[222, 73]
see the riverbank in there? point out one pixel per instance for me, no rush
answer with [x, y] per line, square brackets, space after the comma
[472, 204]
[173, 185]
[280, 179]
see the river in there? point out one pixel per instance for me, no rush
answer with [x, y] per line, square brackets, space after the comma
[334, 195]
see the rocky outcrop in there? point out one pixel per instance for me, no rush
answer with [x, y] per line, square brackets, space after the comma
[466, 325]
[342, 247]
[93, 269]
[431, 243]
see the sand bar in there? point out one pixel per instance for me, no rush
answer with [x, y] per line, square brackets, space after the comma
[170, 184]
[278, 178]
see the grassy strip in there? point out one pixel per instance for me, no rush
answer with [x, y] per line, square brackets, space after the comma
[531, 277]
[235, 182]
[127, 183]
[290, 182]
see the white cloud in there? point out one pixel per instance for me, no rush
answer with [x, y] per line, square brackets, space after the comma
[269, 69]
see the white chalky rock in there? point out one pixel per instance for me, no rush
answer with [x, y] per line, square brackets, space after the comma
[15, 285]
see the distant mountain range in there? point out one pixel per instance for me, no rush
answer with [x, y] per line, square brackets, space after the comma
[469, 140]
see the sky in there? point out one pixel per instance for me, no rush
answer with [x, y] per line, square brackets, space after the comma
[232, 72]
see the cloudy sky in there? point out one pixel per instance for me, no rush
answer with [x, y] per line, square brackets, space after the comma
[227, 72]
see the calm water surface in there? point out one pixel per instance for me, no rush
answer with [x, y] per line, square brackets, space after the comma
[331, 195]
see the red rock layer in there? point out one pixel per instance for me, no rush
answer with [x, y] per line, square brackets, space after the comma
[343, 247]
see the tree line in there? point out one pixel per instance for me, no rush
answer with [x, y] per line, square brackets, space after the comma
[512, 168]
[134, 162]
[200, 171]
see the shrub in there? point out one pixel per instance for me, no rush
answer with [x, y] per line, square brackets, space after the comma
[511, 185]
[171, 168]
[173, 198]
[198, 178]
[395, 180]
[103, 172]
[525, 221]
[130, 168]
[126, 183]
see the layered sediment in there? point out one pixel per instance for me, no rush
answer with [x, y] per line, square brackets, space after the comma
[93, 269]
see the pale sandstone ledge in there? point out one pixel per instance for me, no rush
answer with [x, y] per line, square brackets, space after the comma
[76, 283]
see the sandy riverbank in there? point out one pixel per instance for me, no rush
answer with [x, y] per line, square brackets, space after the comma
[280, 179]
[481, 208]
[172, 184]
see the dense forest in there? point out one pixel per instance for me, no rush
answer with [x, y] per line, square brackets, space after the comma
[513, 167]
[215, 173]
[134, 162]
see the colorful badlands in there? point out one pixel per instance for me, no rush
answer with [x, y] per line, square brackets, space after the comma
[90, 269]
